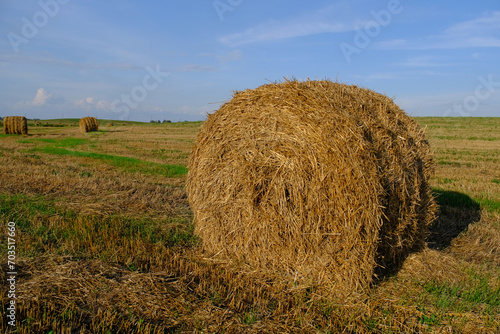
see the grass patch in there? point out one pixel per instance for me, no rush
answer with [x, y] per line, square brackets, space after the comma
[484, 138]
[173, 154]
[454, 295]
[449, 163]
[69, 142]
[125, 163]
[49, 125]
[430, 319]
[31, 215]
[45, 229]
[496, 181]
[21, 208]
[66, 142]
[488, 204]
[446, 180]
[472, 295]
[97, 132]
[249, 318]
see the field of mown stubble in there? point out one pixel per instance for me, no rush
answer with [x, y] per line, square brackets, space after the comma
[105, 242]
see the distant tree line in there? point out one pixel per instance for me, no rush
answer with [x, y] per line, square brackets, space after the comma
[160, 122]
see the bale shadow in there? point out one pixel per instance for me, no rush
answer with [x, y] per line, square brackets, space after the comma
[456, 212]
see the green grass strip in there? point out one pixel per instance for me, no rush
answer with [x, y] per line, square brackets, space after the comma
[69, 142]
[125, 163]
[488, 204]
[32, 214]
[482, 293]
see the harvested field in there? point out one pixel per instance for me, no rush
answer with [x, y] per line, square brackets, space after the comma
[105, 242]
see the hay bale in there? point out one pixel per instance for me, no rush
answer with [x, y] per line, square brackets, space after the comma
[321, 180]
[82, 123]
[109, 124]
[88, 124]
[15, 125]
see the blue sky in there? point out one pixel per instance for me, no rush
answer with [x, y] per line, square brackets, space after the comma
[178, 60]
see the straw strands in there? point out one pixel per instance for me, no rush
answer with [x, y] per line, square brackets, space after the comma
[15, 125]
[88, 124]
[318, 180]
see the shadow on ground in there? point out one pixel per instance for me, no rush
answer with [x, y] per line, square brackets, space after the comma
[456, 212]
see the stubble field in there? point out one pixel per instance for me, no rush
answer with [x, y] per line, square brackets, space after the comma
[105, 244]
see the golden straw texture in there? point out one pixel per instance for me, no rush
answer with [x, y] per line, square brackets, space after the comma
[15, 125]
[318, 180]
[88, 124]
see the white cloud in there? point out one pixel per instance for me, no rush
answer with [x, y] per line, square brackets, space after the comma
[90, 104]
[313, 23]
[195, 68]
[277, 30]
[488, 24]
[59, 62]
[423, 61]
[231, 56]
[85, 104]
[483, 31]
[43, 97]
[103, 105]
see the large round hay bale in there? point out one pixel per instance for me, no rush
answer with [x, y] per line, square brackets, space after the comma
[321, 180]
[88, 124]
[15, 125]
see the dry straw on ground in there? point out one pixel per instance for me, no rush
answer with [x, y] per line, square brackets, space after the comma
[15, 125]
[88, 124]
[319, 180]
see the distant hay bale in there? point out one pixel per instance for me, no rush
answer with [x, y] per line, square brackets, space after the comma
[323, 181]
[15, 125]
[109, 124]
[88, 124]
